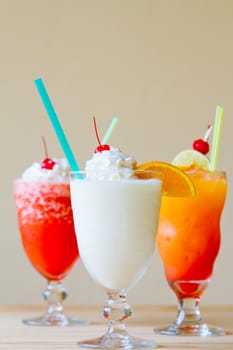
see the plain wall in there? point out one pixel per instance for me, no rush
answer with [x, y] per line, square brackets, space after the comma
[161, 66]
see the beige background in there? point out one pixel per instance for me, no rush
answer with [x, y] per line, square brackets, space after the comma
[161, 66]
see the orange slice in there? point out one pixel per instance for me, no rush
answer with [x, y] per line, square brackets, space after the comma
[176, 182]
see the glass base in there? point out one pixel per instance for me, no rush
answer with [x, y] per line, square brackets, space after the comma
[54, 294]
[117, 341]
[201, 330]
[116, 311]
[53, 320]
[188, 321]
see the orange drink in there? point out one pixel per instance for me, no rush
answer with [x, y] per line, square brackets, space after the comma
[188, 237]
[188, 242]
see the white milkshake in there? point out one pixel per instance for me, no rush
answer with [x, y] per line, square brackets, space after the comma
[116, 224]
[115, 215]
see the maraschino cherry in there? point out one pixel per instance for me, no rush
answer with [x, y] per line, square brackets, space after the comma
[202, 145]
[47, 163]
[101, 147]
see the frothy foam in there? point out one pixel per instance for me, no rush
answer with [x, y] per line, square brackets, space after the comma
[59, 173]
[110, 165]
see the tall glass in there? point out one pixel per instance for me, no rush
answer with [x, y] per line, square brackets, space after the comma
[46, 226]
[188, 241]
[116, 224]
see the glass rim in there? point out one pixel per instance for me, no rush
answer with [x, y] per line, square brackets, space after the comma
[80, 174]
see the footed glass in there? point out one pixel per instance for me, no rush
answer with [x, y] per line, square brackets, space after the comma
[188, 241]
[46, 227]
[116, 224]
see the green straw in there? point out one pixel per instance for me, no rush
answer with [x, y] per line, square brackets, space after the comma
[109, 131]
[216, 137]
[56, 124]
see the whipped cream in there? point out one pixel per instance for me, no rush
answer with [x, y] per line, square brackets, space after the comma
[59, 173]
[112, 164]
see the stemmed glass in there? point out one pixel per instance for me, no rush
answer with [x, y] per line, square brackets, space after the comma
[188, 241]
[46, 226]
[116, 223]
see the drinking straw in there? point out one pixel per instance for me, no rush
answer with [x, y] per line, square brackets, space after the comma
[109, 131]
[56, 124]
[216, 137]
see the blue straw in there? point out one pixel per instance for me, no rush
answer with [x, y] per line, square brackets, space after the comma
[56, 124]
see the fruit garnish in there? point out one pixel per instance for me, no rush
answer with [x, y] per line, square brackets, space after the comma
[101, 147]
[176, 182]
[202, 145]
[190, 157]
[47, 163]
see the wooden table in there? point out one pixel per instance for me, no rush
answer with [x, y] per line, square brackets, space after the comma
[15, 335]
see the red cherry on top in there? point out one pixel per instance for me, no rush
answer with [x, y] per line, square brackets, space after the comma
[47, 163]
[102, 148]
[201, 146]
[99, 148]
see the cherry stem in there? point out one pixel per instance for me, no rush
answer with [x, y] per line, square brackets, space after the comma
[207, 134]
[96, 131]
[45, 147]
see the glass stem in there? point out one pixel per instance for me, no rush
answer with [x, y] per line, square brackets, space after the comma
[116, 311]
[55, 294]
[188, 311]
